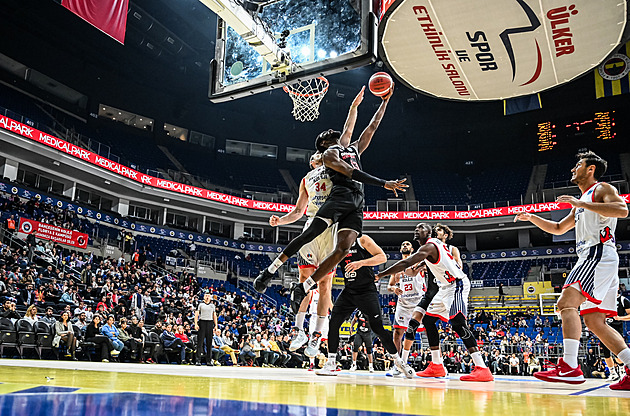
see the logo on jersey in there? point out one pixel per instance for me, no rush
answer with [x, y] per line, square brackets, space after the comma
[606, 235]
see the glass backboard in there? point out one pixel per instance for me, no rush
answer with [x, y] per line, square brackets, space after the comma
[325, 37]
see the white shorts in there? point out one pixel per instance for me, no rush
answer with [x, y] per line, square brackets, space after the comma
[450, 300]
[311, 326]
[596, 276]
[402, 317]
[312, 254]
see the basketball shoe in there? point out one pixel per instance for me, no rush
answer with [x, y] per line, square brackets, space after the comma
[624, 383]
[297, 341]
[313, 345]
[329, 369]
[614, 376]
[353, 367]
[478, 374]
[404, 368]
[433, 370]
[297, 296]
[395, 372]
[261, 282]
[371, 368]
[562, 373]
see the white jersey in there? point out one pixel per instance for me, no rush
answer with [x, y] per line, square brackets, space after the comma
[318, 185]
[413, 288]
[446, 270]
[592, 228]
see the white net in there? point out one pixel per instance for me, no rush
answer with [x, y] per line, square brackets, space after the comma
[306, 97]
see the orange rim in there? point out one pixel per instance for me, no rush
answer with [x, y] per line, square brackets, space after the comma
[288, 91]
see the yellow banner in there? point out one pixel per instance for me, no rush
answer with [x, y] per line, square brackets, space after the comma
[531, 290]
[338, 281]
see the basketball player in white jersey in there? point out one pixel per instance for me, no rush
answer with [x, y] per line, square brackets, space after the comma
[592, 284]
[444, 233]
[409, 286]
[450, 303]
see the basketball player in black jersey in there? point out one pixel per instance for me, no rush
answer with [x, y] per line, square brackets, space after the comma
[343, 206]
[616, 323]
[360, 293]
[363, 336]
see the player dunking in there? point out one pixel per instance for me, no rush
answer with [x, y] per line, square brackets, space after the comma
[592, 284]
[344, 205]
[360, 293]
[410, 287]
[450, 303]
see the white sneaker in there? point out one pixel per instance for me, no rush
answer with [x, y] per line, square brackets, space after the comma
[105, 360]
[114, 353]
[353, 367]
[329, 369]
[371, 368]
[404, 368]
[613, 375]
[297, 341]
[394, 372]
[313, 345]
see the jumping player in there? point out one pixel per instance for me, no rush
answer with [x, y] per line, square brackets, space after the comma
[363, 336]
[450, 303]
[360, 293]
[592, 284]
[410, 287]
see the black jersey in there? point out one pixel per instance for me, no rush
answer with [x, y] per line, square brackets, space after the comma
[350, 155]
[622, 304]
[362, 278]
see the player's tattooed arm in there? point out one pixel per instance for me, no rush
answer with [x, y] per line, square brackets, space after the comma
[426, 251]
[296, 213]
[366, 137]
[351, 120]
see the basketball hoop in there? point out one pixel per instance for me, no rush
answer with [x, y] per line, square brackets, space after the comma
[306, 97]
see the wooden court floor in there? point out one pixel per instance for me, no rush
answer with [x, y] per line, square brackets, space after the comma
[32, 387]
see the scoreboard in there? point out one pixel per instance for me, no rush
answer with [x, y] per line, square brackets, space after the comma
[576, 133]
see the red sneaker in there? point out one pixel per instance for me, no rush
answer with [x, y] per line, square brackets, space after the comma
[433, 370]
[562, 373]
[311, 367]
[624, 383]
[478, 374]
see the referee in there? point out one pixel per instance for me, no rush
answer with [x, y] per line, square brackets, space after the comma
[205, 318]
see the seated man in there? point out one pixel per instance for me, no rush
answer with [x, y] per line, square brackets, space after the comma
[169, 340]
[218, 341]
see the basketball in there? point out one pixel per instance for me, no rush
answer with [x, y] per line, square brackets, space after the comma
[380, 83]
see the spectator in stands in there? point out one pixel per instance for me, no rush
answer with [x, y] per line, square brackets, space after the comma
[169, 340]
[81, 320]
[48, 317]
[92, 335]
[11, 224]
[220, 344]
[599, 371]
[190, 348]
[533, 364]
[64, 333]
[135, 330]
[466, 362]
[247, 353]
[514, 365]
[31, 314]
[27, 296]
[111, 332]
[8, 310]
[501, 294]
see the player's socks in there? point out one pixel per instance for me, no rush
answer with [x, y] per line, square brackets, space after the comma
[405, 355]
[436, 357]
[320, 323]
[299, 320]
[308, 284]
[478, 359]
[571, 347]
[353, 367]
[371, 367]
[624, 356]
[274, 266]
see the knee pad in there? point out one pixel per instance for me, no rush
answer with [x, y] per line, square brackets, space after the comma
[410, 333]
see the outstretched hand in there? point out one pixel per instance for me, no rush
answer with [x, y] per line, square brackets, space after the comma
[523, 216]
[396, 185]
[389, 94]
[359, 98]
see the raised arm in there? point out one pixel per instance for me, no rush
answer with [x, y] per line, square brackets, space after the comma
[366, 137]
[351, 120]
[424, 252]
[296, 213]
[378, 255]
[552, 227]
[331, 160]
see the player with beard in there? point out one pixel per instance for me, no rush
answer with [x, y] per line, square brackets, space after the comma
[450, 303]
[592, 284]
[409, 286]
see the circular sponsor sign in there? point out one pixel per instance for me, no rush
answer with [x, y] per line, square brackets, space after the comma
[571, 250]
[59, 204]
[152, 230]
[80, 210]
[279, 249]
[80, 240]
[209, 240]
[116, 220]
[615, 67]
[524, 253]
[531, 289]
[191, 237]
[14, 190]
[27, 227]
[483, 255]
[260, 248]
[38, 197]
[242, 246]
[503, 254]
[99, 215]
[226, 243]
[549, 251]
[132, 226]
[497, 49]
[171, 233]
[464, 256]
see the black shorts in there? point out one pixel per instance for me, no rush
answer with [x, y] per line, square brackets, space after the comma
[365, 301]
[345, 207]
[360, 338]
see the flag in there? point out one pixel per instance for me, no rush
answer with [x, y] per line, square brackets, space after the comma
[110, 16]
[521, 104]
[611, 77]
